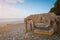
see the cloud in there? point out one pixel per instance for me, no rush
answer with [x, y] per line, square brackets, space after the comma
[10, 11]
[11, 1]
[7, 11]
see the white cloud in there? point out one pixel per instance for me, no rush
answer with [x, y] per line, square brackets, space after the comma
[7, 11]
[11, 1]
[21, 1]
[10, 11]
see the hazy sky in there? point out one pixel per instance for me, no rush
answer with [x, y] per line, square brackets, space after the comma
[23, 8]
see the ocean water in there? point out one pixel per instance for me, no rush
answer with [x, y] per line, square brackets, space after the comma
[11, 19]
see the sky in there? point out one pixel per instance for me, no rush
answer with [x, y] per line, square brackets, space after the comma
[23, 8]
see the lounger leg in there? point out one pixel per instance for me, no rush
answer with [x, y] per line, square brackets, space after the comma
[31, 27]
[26, 29]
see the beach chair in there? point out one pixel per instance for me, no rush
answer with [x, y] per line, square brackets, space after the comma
[41, 28]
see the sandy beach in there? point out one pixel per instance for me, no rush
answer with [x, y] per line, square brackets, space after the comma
[11, 31]
[16, 31]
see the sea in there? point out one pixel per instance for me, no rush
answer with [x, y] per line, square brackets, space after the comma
[11, 19]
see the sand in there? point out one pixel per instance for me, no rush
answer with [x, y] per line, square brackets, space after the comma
[16, 31]
[11, 31]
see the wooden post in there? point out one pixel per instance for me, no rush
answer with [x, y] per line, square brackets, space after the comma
[31, 26]
[26, 29]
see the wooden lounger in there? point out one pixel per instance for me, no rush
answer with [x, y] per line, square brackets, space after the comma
[50, 32]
